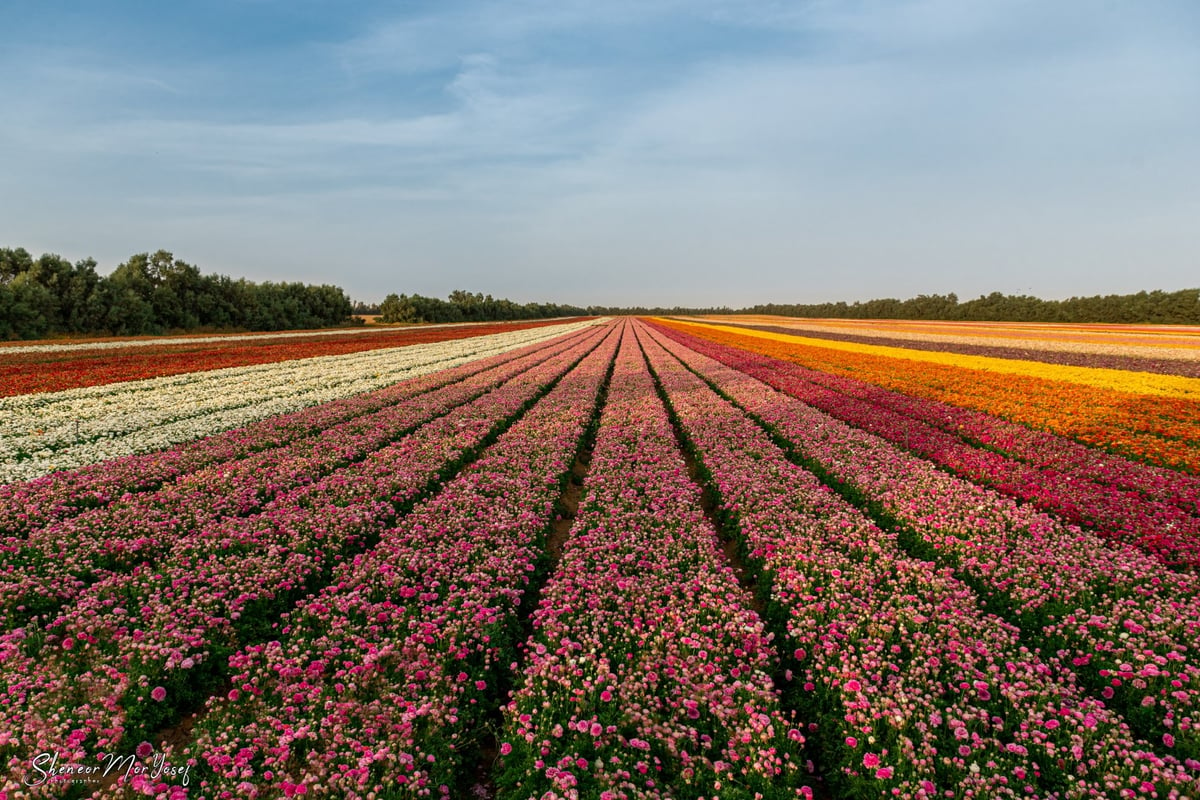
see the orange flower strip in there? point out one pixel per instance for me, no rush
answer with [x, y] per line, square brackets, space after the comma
[1151, 417]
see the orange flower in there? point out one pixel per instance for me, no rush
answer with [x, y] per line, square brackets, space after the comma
[1136, 414]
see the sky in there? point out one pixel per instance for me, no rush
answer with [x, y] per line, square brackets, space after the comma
[614, 152]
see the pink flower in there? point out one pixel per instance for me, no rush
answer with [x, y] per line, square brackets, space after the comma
[1168, 740]
[606, 695]
[870, 760]
[505, 749]
[851, 741]
[159, 693]
[853, 686]
[144, 750]
[883, 773]
[68, 643]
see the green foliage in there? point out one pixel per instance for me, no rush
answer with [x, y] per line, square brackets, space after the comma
[150, 294]
[154, 293]
[464, 306]
[1157, 307]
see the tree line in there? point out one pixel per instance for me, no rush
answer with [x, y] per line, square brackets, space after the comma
[463, 306]
[1156, 307]
[158, 293]
[150, 294]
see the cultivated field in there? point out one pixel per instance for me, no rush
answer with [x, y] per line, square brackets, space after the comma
[661, 558]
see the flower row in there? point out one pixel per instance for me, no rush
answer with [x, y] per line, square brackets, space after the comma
[1162, 429]
[1127, 626]
[42, 433]
[27, 506]
[194, 516]
[915, 690]
[1162, 529]
[647, 675]
[382, 684]
[54, 368]
[137, 650]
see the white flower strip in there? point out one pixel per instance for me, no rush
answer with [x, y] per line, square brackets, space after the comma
[45, 432]
[60, 347]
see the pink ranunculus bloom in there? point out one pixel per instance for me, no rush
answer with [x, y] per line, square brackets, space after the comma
[851, 741]
[883, 773]
[870, 760]
[159, 693]
[505, 749]
[144, 750]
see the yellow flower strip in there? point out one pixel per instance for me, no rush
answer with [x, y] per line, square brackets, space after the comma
[1111, 379]
[1105, 411]
[1165, 337]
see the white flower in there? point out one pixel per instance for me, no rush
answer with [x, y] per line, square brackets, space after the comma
[40, 433]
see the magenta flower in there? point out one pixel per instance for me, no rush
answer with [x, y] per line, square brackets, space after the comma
[159, 693]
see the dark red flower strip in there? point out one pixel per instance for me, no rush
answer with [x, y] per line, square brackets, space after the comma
[55, 371]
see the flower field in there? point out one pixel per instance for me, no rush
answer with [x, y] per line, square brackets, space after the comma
[1148, 416]
[606, 559]
[56, 367]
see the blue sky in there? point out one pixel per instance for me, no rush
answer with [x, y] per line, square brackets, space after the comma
[700, 152]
